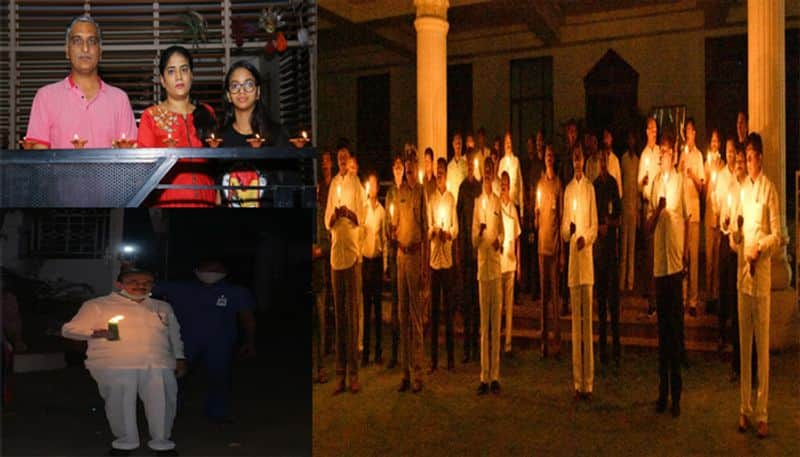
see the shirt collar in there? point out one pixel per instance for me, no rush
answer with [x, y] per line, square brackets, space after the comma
[72, 85]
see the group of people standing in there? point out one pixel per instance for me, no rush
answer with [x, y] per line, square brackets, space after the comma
[85, 109]
[471, 230]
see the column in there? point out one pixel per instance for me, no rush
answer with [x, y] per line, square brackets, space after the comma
[432, 26]
[766, 87]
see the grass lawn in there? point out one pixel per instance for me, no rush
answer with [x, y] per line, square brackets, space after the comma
[535, 413]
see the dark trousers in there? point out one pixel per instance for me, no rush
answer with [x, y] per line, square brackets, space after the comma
[345, 302]
[670, 328]
[607, 286]
[395, 305]
[373, 277]
[548, 267]
[470, 309]
[216, 358]
[441, 300]
[529, 262]
[563, 280]
[728, 306]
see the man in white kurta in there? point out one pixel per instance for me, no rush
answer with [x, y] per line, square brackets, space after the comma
[509, 256]
[713, 169]
[757, 236]
[457, 168]
[344, 214]
[487, 240]
[630, 214]
[510, 164]
[691, 166]
[142, 361]
[579, 229]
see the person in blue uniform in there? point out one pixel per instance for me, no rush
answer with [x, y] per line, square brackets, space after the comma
[209, 311]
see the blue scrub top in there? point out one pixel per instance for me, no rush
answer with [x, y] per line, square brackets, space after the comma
[206, 312]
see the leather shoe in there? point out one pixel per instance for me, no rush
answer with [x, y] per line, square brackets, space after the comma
[355, 387]
[761, 430]
[495, 387]
[744, 424]
[405, 384]
[676, 409]
[661, 405]
[340, 387]
[483, 388]
[392, 363]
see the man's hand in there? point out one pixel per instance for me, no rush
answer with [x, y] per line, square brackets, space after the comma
[572, 228]
[100, 333]
[645, 180]
[662, 203]
[181, 367]
[726, 222]
[482, 228]
[443, 236]
[740, 221]
[247, 350]
[581, 243]
[496, 244]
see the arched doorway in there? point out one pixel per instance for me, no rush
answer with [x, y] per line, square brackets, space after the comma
[612, 87]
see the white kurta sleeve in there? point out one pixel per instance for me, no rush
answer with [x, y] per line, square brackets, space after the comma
[82, 325]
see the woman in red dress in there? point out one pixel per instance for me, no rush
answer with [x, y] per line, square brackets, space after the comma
[177, 122]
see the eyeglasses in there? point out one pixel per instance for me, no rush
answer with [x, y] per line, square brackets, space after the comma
[236, 87]
[78, 41]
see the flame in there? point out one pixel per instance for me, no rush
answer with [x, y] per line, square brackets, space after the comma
[391, 210]
[116, 319]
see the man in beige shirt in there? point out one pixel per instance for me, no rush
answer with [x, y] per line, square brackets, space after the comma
[691, 166]
[548, 203]
[409, 226]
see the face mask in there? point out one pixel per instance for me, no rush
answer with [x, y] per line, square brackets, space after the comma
[127, 294]
[209, 277]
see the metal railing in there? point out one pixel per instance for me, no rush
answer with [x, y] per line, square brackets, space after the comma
[114, 178]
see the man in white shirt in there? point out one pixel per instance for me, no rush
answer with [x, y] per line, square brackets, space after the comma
[579, 229]
[457, 168]
[728, 203]
[391, 248]
[648, 168]
[509, 261]
[756, 236]
[510, 164]
[631, 199]
[713, 170]
[344, 215]
[141, 353]
[668, 222]
[487, 239]
[481, 151]
[442, 229]
[691, 166]
[375, 262]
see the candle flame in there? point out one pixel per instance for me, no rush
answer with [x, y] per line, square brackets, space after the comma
[339, 191]
[212, 135]
[574, 204]
[75, 136]
[304, 134]
[123, 135]
[475, 164]
[116, 319]
[258, 137]
[391, 210]
[421, 176]
[730, 201]
[538, 197]
[483, 202]
[367, 187]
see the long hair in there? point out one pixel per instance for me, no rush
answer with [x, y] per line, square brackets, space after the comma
[260, 121]
[203, 120]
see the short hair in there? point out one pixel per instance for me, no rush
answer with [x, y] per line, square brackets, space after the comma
[668, 138]
[572, 122]
[487, 161]
[505, 174]
[456, 133]
[743, 113]
[441, 162]
[429, 152]
[397, 157]
[88, 20]
[754, 141]
[689, 120]
[342, 143]
[481, 131]
[123, 272]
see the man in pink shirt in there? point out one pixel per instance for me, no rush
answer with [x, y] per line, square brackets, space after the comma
[81, 106]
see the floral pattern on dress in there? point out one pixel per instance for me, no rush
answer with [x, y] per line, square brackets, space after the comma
[165, 120]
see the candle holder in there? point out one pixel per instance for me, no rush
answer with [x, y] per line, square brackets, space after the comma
[26, 143]
[170, 142]
[78, 143]
[123, 143]
[213, 141]
[256, 141]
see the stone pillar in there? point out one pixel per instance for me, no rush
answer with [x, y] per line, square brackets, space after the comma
[766, 99]
[766, 86]
[432, 26]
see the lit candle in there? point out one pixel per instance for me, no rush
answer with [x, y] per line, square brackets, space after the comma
[421, 175]
[304, 134]
[713, 177]
[483, 203]
[258, 137]
[442, 215]
[123, 136]
[75, 137]
[574, 208]
[212, 135]
[538, 198]
[367, 186]
[391, 211]
[113, 328]
[339, 193]
[169, 135]
[475, 165]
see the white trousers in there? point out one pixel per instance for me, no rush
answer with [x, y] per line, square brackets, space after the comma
[158, 390]
[491, 297]
[754, 318]
[582, 351]
[508, 305]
